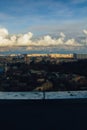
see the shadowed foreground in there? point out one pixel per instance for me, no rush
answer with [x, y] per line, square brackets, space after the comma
[44, 114]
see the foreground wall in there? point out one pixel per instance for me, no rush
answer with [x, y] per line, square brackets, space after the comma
[43, 114]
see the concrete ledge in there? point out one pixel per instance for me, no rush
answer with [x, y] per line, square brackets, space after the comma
[45, 95]
[66, 95]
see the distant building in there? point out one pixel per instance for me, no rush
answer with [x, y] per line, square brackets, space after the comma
[80, 56]
[61, 55]
[37, 55]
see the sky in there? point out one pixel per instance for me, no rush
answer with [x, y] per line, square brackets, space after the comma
[38, 25]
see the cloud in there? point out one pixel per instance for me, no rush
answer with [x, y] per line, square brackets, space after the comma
[13, 38]
[3, 32]
[16, 41]
[72, 42]
[62, 34]
[85, 31]
[24, 39]
[45, 41]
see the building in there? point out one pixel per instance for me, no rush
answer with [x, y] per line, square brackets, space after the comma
[61, 55]
[80, 56]
[37, 55]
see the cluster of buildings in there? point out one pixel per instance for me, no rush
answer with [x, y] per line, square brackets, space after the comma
[24, 57]
[51, 55]
[36, 58]
[54, 57]
[60, 56]
[80, 56]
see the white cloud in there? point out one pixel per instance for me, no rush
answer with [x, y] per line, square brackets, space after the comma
[62, 35]
[72, 42]
[3, 32]
[48, 41]
[20, 40]
[24, 39]
[85, 31]
[13, 38]
[45, 41]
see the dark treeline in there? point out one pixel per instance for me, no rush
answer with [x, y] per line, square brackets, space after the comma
[78, 67]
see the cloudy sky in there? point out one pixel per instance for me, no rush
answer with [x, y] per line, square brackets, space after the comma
[43, 25]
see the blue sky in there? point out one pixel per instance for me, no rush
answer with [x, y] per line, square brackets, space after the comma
[43, 16]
